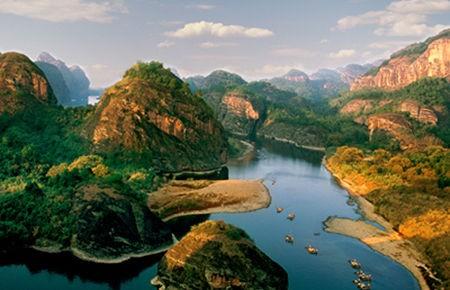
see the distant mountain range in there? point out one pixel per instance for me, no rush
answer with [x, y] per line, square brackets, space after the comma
[70, 84]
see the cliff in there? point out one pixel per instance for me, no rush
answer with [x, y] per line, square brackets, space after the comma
[397, 126]
[215, 255]
[152, 111]
[428, 59]
[22, 84]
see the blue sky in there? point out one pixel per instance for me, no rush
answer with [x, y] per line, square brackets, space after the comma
[255, 38]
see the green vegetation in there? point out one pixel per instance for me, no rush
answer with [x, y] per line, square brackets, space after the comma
[410, 189]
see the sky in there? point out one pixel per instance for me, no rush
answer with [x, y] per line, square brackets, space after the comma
[255, 38]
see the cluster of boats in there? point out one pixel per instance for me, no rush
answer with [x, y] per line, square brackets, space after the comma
[290, 238]
[364, 279]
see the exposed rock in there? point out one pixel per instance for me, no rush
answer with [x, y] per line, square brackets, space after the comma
[418, 112]
[400, 129]
[406, 67]
[240, 106]
[238, 114]
[214, 255]
[357, 106]
[142, 115]
[22, 82]
[350, 72]
[112, 228]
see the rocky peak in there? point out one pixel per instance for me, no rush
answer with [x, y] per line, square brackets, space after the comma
[296, 76]
[151, 110]
[428, 59]
[215, 255]
[20, 79]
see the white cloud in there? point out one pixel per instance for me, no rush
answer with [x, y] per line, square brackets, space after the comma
[64, 10]
[293, 52]
[165, 44]
[204, 7]
[323, 41]
[218, 30]
[99, 66]
[274, 70]
[400, 18]
[343, 53]
[209, 44]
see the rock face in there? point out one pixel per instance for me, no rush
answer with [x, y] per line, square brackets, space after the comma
[146, 114]
[406, 67]
[357, 106]
[22, 82]
[418, 112]
[215, 255]
[238, 114]
[112, 228]
[74, 77]
[400, 129]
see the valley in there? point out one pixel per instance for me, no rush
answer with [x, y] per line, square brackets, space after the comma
[216, 182]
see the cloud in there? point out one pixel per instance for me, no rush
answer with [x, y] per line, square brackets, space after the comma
[202, 28]
[400, 18]
[293, 52]
[64, 10]
[99, 66]
[204, 7]
[343, 53]
[165, 44]
[273, 70]
[209, 44]
[323, 41]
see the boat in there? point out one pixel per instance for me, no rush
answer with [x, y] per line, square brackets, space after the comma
[355, 264]
[364, 286]
[279, 209]
[364, 276]
[289, 238]
[312, 250]
[291, 216]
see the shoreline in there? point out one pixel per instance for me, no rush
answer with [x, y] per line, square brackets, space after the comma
[223, 196]
[92, 259]
[306, 147]
[387, 242]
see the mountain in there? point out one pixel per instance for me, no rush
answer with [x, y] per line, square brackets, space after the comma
[218, 80]
[57, 82]
[22, 84]
[351, 72]
[215, 255]
[74, 77]
[430, 58]
[153, 113]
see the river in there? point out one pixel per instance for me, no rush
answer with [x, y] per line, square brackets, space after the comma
[299, 183]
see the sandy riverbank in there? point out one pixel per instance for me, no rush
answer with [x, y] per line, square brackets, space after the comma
[182, 198]
[388, 241]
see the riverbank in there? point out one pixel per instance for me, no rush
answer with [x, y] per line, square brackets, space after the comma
[84, 256]
[307, 147]
[183, 198]
[388, 242]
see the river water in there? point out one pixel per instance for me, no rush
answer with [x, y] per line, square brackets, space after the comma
[298, 183]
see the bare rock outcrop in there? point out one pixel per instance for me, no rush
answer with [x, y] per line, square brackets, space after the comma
[404, 69]
[418, 112]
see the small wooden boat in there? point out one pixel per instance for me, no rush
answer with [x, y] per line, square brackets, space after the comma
[356, 281]
[312, 250]
[364, 276]
[289, 238]
[364, 286]
[291, 216]
[279, 209]
[355, 264]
